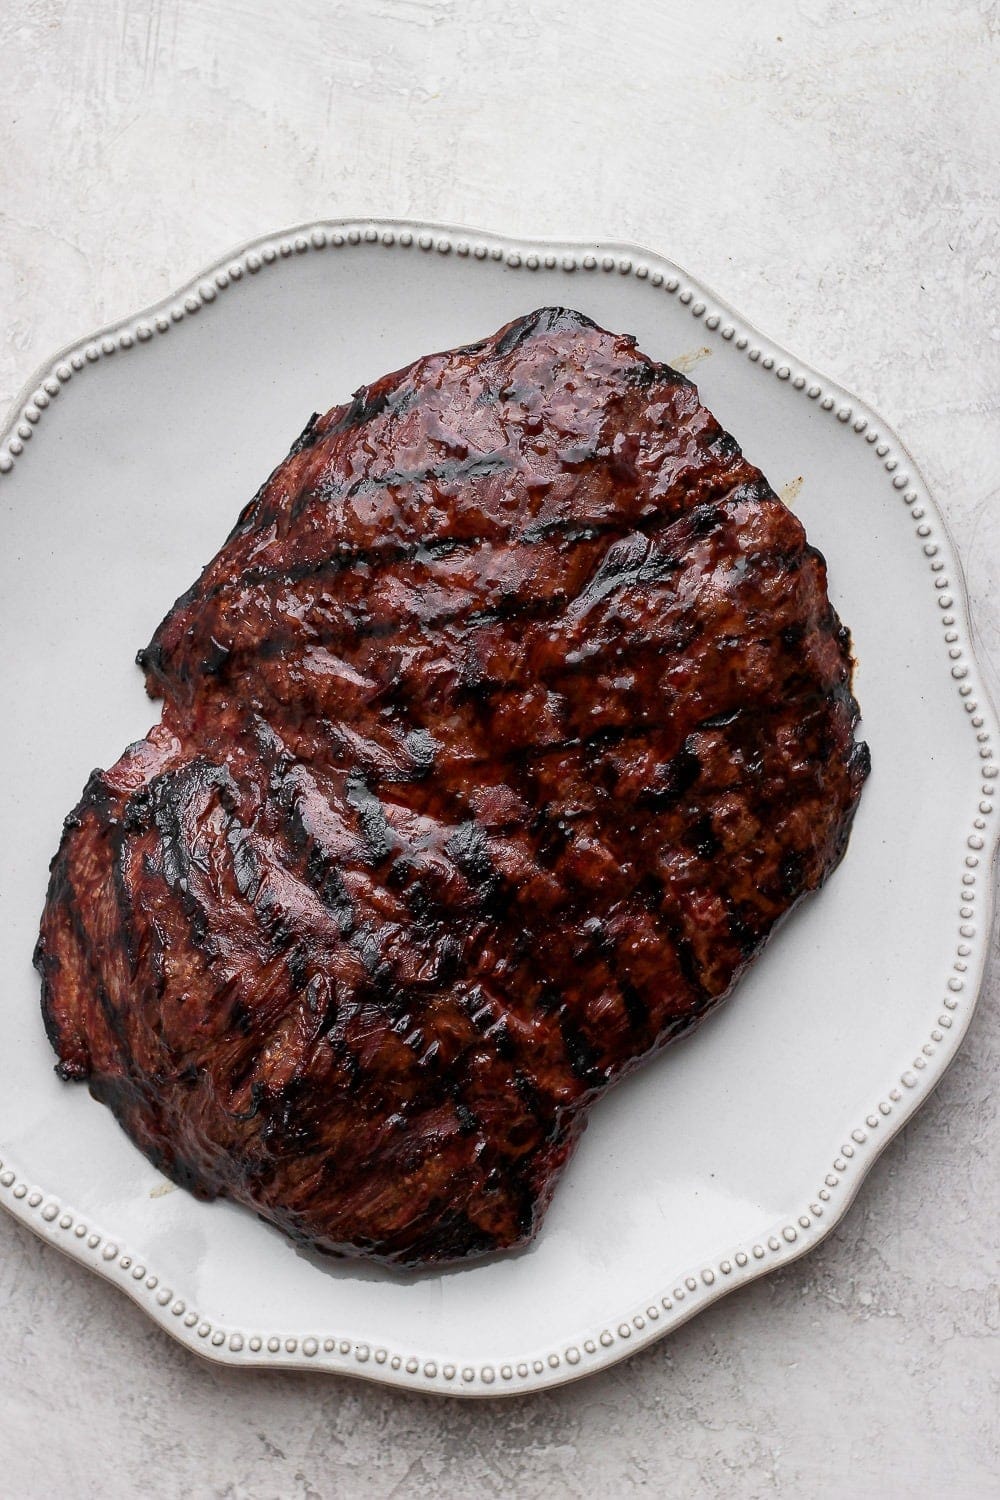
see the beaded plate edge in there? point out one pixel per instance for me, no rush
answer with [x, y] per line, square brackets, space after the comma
[698, 1286]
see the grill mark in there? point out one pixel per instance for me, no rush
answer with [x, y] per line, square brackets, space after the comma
[580, 1055]
[429, 548]
[167, 796]
[513, 1172]
[320, 874]
[471, 851]
[636, 1009]
[377, 838]
[554, 838]
[323, 877]
[479, 868]
[123, 903]
[747, 936]
[549, 842]
[687, 960]
[508, 609]
[451, 471]
[112, 1018]
[346, 557]
[472, 855]
[513, 760]
[247, 868]
[383, 556]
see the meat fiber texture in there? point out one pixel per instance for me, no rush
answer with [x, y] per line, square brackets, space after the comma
[497, 737]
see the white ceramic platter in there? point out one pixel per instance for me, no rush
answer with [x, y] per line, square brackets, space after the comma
[123, 467]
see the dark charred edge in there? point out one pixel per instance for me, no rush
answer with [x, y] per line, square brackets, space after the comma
[151, 657]
[860, 763]
[543, 320]
[725, 445]
[649, 372]
[307, 437]
[47, 964]
[95, 797]
[127, 1099]
[243, 523]
[462, 1240]
[69, 1072]
[462, 1243]
[367, 403]
[65, 1069]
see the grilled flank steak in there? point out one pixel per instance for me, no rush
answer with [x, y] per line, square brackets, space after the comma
[506, 724]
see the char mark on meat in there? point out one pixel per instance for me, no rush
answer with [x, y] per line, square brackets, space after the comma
[504, 727]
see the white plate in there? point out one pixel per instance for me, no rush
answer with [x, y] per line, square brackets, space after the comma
[738, 1149]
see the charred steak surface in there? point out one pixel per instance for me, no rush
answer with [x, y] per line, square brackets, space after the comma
[506, 724]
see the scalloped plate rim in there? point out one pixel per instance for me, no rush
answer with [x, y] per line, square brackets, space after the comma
[359, 1367]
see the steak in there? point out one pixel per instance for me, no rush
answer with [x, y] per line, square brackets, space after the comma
[497, 737]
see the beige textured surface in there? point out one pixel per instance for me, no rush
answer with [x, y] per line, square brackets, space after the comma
[830, 168]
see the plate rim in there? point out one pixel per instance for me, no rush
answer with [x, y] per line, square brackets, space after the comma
[698, 1288]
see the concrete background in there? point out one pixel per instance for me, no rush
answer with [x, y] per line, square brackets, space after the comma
[831, 168]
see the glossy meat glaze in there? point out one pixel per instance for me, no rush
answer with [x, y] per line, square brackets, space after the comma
[507, 723]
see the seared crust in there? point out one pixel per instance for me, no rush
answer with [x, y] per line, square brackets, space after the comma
[509, 720]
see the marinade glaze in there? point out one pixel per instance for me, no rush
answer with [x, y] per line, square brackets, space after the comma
[496, 738]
